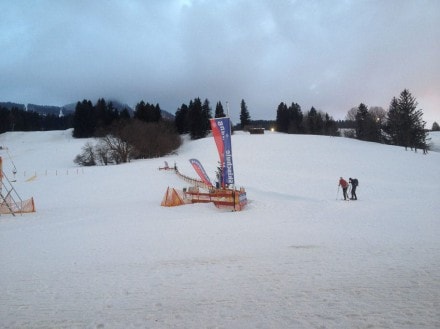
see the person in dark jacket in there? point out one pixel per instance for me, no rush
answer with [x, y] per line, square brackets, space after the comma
[354, 184]
[343, 183]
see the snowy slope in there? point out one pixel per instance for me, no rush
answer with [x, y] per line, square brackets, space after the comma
[100, 252]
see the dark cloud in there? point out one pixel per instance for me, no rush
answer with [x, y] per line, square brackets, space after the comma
[329, 54]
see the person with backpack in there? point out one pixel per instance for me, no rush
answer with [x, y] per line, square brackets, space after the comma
[354, 183]
[343, 183]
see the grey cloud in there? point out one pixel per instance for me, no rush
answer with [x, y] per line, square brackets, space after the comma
[329, 54]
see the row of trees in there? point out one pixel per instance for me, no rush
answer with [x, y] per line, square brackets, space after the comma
[291, 120]
[401, 125]
[121, 137]
[91, 120]
[194, 118]
[22, 120]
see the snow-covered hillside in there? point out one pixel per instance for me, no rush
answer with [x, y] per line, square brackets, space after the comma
[100, 252]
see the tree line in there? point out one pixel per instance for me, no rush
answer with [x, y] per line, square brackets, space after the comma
[18, 119]
[402, 124]
[120, 137]
[193, 119]
[290, 119]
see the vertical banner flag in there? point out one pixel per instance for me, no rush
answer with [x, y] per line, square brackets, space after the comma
[221, 130]
[218, 140]
[200, 171]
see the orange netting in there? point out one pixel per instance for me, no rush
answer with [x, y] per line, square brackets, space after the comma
[226, 199]
[9, 206]
[7, 203]
[234, 200]
[172, 198]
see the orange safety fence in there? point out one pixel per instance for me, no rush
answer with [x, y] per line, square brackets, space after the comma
[222, 198]
[234, 200]
[230, 199]
[172, 198]
[9, 206]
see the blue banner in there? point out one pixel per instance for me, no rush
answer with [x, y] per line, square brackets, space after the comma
[221, 130]
[229, 167]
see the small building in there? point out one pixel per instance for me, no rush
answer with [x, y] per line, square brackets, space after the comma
[255, 130]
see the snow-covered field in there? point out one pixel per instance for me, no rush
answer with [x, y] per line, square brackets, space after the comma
[100, 252]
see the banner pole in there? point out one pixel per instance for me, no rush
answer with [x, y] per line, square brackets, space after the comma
[230, 134]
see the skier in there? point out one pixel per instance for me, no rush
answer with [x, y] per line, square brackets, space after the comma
[343, 183]
[354, 183]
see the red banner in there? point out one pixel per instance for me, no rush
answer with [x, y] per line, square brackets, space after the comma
[200, 171]
[218, 141]
[221, 130]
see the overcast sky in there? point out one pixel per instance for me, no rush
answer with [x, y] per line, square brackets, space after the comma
[332, 55]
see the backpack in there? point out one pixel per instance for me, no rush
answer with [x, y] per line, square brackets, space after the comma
[355, 182]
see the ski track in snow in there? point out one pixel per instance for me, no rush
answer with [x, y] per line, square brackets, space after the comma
[100, 252]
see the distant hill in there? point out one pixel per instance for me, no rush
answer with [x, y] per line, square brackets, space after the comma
[10, 105]
[44, 109]
[167, 115]
[41, 109]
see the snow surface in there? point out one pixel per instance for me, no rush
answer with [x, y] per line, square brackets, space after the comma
[100, 252]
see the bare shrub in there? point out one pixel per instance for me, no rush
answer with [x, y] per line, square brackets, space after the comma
[102, 154]
[118, 150]
[133, 139]
[87, 157]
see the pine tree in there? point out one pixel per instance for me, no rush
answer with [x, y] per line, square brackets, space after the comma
[147, 112]
[330, 127]
[245, 118]
[140, 111]
[219, 112]
[314, 122]
[111, 114]
[156, 115]
[405, 126]
[367, 126]
[181, 119]
[125, 114]
[295, 119]
[196, 119]
[393, 123]
[206, 115]
[283, 118]
[100, 110]
[84, 120]
[4, 120]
